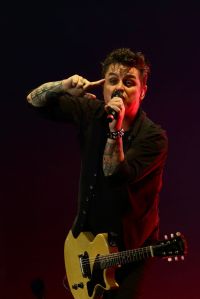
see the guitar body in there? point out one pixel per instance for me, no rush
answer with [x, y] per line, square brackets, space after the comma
[85, 278]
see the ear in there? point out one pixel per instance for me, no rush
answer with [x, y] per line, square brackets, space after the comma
[143, 92]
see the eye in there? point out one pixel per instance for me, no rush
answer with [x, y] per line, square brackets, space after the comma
[129, 83]
[113, 80]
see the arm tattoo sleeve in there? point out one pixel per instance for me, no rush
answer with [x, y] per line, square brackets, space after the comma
[38, 95]
[113, 155]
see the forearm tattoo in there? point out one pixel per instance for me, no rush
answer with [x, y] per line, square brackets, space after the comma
[112, 157]
[38, 95]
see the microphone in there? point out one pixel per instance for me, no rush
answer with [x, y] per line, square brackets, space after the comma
[112, 114]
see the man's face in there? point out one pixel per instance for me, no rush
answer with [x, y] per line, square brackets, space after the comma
[126, 79]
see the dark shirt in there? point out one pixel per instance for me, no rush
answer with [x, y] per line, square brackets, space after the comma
[126, 202]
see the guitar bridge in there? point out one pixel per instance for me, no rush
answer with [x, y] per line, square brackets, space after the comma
[85, 265]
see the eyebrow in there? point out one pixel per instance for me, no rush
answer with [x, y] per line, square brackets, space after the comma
[126, 75]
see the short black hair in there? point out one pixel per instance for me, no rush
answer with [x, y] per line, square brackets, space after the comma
[128, 58]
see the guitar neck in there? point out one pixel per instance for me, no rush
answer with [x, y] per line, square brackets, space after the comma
[125, 257]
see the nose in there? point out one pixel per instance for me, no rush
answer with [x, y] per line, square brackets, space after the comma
[120, 85]
[119, 89]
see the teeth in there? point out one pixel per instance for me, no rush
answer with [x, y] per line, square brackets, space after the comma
[169, 259]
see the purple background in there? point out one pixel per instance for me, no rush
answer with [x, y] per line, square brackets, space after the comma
[40, 162]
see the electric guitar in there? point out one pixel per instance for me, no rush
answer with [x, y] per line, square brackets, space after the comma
[90, 262]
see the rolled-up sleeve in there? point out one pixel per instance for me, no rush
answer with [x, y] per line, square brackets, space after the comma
[69, 109]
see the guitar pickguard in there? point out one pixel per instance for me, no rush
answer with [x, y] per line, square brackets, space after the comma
[97, 278]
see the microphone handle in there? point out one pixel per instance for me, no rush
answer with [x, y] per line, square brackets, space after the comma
[112, 114]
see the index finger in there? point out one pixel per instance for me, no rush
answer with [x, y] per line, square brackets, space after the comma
[95, 83]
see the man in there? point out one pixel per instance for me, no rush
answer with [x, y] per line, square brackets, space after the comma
[123, 155]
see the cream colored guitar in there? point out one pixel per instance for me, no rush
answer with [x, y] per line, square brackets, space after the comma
[90, 262]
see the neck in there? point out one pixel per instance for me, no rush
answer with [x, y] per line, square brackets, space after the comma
[128, 120]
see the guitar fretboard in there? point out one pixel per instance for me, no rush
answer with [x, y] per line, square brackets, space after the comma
[125, 257]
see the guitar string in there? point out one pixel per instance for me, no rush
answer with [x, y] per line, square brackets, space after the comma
[139, 252]
[120, 255]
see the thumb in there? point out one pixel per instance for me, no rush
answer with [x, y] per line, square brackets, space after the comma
[90, 96]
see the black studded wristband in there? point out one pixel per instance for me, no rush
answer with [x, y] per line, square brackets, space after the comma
[115, 134]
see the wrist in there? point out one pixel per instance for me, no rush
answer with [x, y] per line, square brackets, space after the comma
[115, 126]
[66, 84]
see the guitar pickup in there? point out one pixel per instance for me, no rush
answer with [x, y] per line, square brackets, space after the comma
[85, 265]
